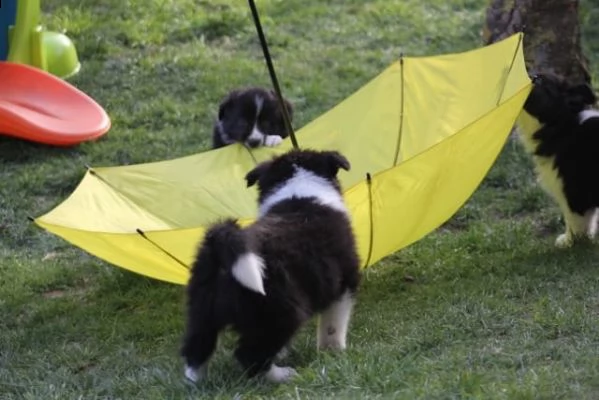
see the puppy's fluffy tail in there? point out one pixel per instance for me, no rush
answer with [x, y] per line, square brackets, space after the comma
[224, 249]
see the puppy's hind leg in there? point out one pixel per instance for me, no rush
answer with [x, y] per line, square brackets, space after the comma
[333, 323]
[577, 226]
[198, 346]
[257, 353]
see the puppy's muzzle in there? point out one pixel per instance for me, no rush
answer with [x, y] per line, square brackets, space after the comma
[253, 143]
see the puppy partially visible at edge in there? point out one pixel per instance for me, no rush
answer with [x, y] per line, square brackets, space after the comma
[266, 280]
[565, 149]
[251, 116]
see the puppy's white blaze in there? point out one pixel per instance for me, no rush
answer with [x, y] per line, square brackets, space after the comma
[248, 270]
[586, 114]
[305, 184]
[259, 101]
[256, 135]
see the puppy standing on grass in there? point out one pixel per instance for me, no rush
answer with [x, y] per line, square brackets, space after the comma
[566, 151]
[298, 259]
[251, 116]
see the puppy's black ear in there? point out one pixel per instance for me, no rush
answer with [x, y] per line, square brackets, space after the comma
[227, 102]
[338, 160]
[583, 93]
[222, 108]
[254, 175]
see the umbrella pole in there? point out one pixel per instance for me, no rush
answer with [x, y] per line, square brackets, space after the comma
[273, 75]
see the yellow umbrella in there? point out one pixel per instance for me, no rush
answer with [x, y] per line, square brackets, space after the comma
[420, 136]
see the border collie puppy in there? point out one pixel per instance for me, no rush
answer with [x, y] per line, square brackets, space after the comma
[565, 149]
[251, 116]
[266, 280]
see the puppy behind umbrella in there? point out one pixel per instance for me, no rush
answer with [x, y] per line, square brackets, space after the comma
[250, 116]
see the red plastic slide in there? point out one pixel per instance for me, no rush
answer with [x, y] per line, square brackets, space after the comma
[39, 107]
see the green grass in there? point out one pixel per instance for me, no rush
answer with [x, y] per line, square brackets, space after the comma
[484, 307]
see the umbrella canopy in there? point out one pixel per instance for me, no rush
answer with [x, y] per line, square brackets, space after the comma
[420, 136]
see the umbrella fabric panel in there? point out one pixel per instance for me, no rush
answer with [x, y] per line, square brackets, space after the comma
[366, 127]
[404, 203]
[130, 251]
[457, 112]
[416, 197]
[443, 94]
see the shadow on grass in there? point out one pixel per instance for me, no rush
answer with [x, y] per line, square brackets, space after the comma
[16, 151]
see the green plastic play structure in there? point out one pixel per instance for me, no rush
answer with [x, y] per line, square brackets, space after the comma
[29, 43]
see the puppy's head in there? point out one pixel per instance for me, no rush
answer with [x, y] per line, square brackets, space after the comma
[553, 99]
[247, 115]
[270, 175]
[237, 115]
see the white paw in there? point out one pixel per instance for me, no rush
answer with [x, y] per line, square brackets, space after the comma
[564, 240]
[195, 374]
[280, 374]
[272, 140]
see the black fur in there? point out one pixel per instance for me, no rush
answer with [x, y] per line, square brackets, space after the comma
[238, 113]
[574, 146]
[310, 261]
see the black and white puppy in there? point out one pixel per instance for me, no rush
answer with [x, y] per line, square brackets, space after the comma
[565, 149]
[266, 280]
[250, 116]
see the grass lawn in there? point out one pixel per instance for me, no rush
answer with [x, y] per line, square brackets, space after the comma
[485, 307]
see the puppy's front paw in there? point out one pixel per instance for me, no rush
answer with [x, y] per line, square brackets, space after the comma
[272, 140]
[195, 374]
[564, 240]
[280, 374]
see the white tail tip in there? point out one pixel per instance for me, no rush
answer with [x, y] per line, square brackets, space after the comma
[249, 272]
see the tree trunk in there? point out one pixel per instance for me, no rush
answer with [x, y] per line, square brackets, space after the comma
[552, 38]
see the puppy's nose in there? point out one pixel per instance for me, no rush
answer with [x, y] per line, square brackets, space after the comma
[253, 142]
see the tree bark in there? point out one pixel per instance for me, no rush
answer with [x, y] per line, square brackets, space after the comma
[552, 38]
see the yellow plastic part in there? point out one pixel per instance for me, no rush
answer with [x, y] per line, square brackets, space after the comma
[426, 131]
[30, 44]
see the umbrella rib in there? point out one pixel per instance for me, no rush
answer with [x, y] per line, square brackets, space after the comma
[509, 71]
[251, 154]
[273, 75]
[95, 174]
[371, 219]
[168, 253]
[401, 110]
